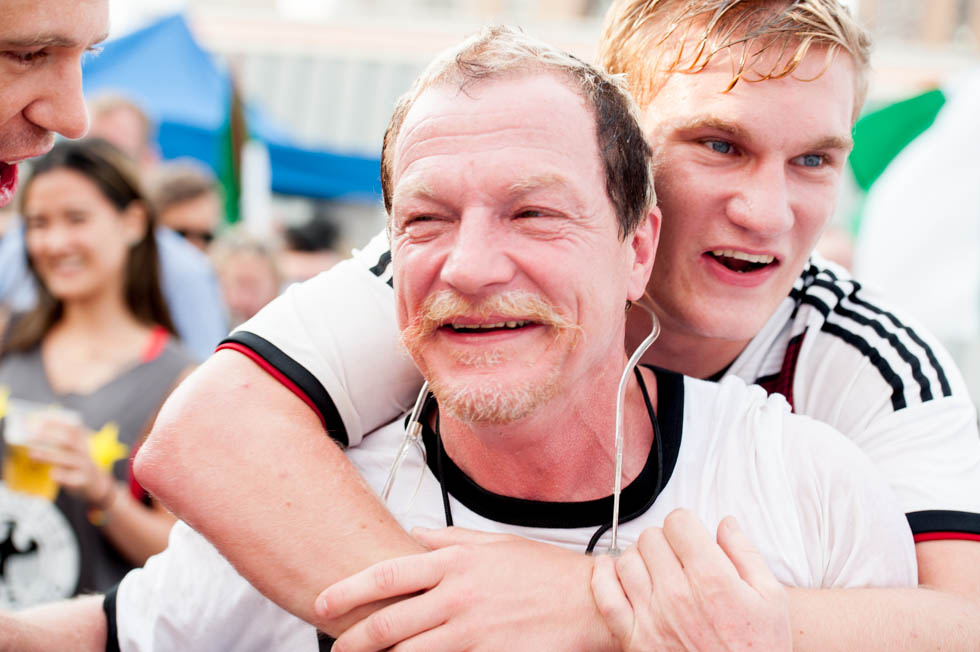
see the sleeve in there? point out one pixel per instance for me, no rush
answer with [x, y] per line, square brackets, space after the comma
[334, 342]
[905, 405]
[189, 598]
[855, 532]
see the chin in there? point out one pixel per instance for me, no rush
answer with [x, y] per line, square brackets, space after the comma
[491, 402]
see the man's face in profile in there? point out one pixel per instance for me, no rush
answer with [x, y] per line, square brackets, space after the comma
[510, 275]
[41, 48]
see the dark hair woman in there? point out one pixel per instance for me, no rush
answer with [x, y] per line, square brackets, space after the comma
[99, 347]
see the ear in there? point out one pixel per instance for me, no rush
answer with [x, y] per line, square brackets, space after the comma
[644, 243]
[135, 222]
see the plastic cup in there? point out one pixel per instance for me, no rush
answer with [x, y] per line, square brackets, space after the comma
[21, 421]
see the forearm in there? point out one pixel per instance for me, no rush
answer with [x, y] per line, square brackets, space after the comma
[136, 531]
[247, 464]
[883, 619]
[77, 624]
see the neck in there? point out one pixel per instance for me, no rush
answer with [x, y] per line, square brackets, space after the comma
[681, 351]
[101, 316]
[565, 451]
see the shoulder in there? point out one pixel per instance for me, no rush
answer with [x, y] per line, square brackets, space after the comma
[843, 333]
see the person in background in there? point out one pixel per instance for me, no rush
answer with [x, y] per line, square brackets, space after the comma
[99, 342]
[187, 200]
[248, 271]
[310, 248]
[190, 285]
[123, 123]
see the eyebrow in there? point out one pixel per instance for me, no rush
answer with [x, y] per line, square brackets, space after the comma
[712, 122]
[536, 182]
[52, 40]
[412, 191]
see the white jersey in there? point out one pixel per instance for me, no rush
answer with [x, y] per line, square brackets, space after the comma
[835, 354]
[817, 508]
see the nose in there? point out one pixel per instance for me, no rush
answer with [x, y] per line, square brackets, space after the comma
[478, 259]
[60, 105]
[762, 205]
[50, 240]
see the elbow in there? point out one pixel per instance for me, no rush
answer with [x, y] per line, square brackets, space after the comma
[156, 463]
[162, 462]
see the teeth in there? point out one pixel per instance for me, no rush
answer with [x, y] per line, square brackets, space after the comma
[741, 255]
[501, 324]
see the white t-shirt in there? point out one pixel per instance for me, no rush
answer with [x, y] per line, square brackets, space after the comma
[830, 348]
[819, 511]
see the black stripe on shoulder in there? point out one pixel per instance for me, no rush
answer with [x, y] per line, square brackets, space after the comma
[383, 261]
[868, 351]
[915, 365]
[940, 372]
[887, 373]
[299, 376]
[112, 628]
[938, 520]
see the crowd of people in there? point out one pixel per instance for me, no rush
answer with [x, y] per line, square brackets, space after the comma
[445, 442]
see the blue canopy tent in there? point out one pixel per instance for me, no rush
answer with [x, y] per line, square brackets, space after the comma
[184, 91]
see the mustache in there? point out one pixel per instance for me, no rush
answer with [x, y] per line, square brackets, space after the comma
[445, 305]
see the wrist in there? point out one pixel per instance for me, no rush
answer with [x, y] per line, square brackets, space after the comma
[98, 512]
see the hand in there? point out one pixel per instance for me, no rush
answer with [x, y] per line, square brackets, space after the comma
[677, 590]
[478, 592]
[65, 447]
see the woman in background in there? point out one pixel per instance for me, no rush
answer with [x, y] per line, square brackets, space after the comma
[101, 344]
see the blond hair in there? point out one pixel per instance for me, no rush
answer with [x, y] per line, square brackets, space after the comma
[499, 51]
[648, 39]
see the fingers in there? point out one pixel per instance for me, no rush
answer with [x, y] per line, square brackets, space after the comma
[746, 558]
[52, 433]
[662, 564]
[695, 548]
[387, 579]
[58, 457]
[610, 598]
[395, 623]
[452, 536]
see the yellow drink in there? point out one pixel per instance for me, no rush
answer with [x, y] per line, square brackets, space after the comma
[21, 473]
[21, 421]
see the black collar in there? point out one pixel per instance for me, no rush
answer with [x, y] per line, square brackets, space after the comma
[636, 498]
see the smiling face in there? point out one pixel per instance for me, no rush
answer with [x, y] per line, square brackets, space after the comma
[510, 275]
[747, 180]
[76, 239]
[41, 48]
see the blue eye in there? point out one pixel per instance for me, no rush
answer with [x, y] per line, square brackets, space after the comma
[811, 160]
[720, 146]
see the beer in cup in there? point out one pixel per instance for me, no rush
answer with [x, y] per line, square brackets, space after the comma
[22, 421]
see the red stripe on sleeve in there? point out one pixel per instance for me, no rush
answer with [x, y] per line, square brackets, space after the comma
[943, 536]
[275, 373]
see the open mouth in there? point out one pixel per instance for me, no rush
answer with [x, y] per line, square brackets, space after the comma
[8, 182]
[488, 328]
[741, 262]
